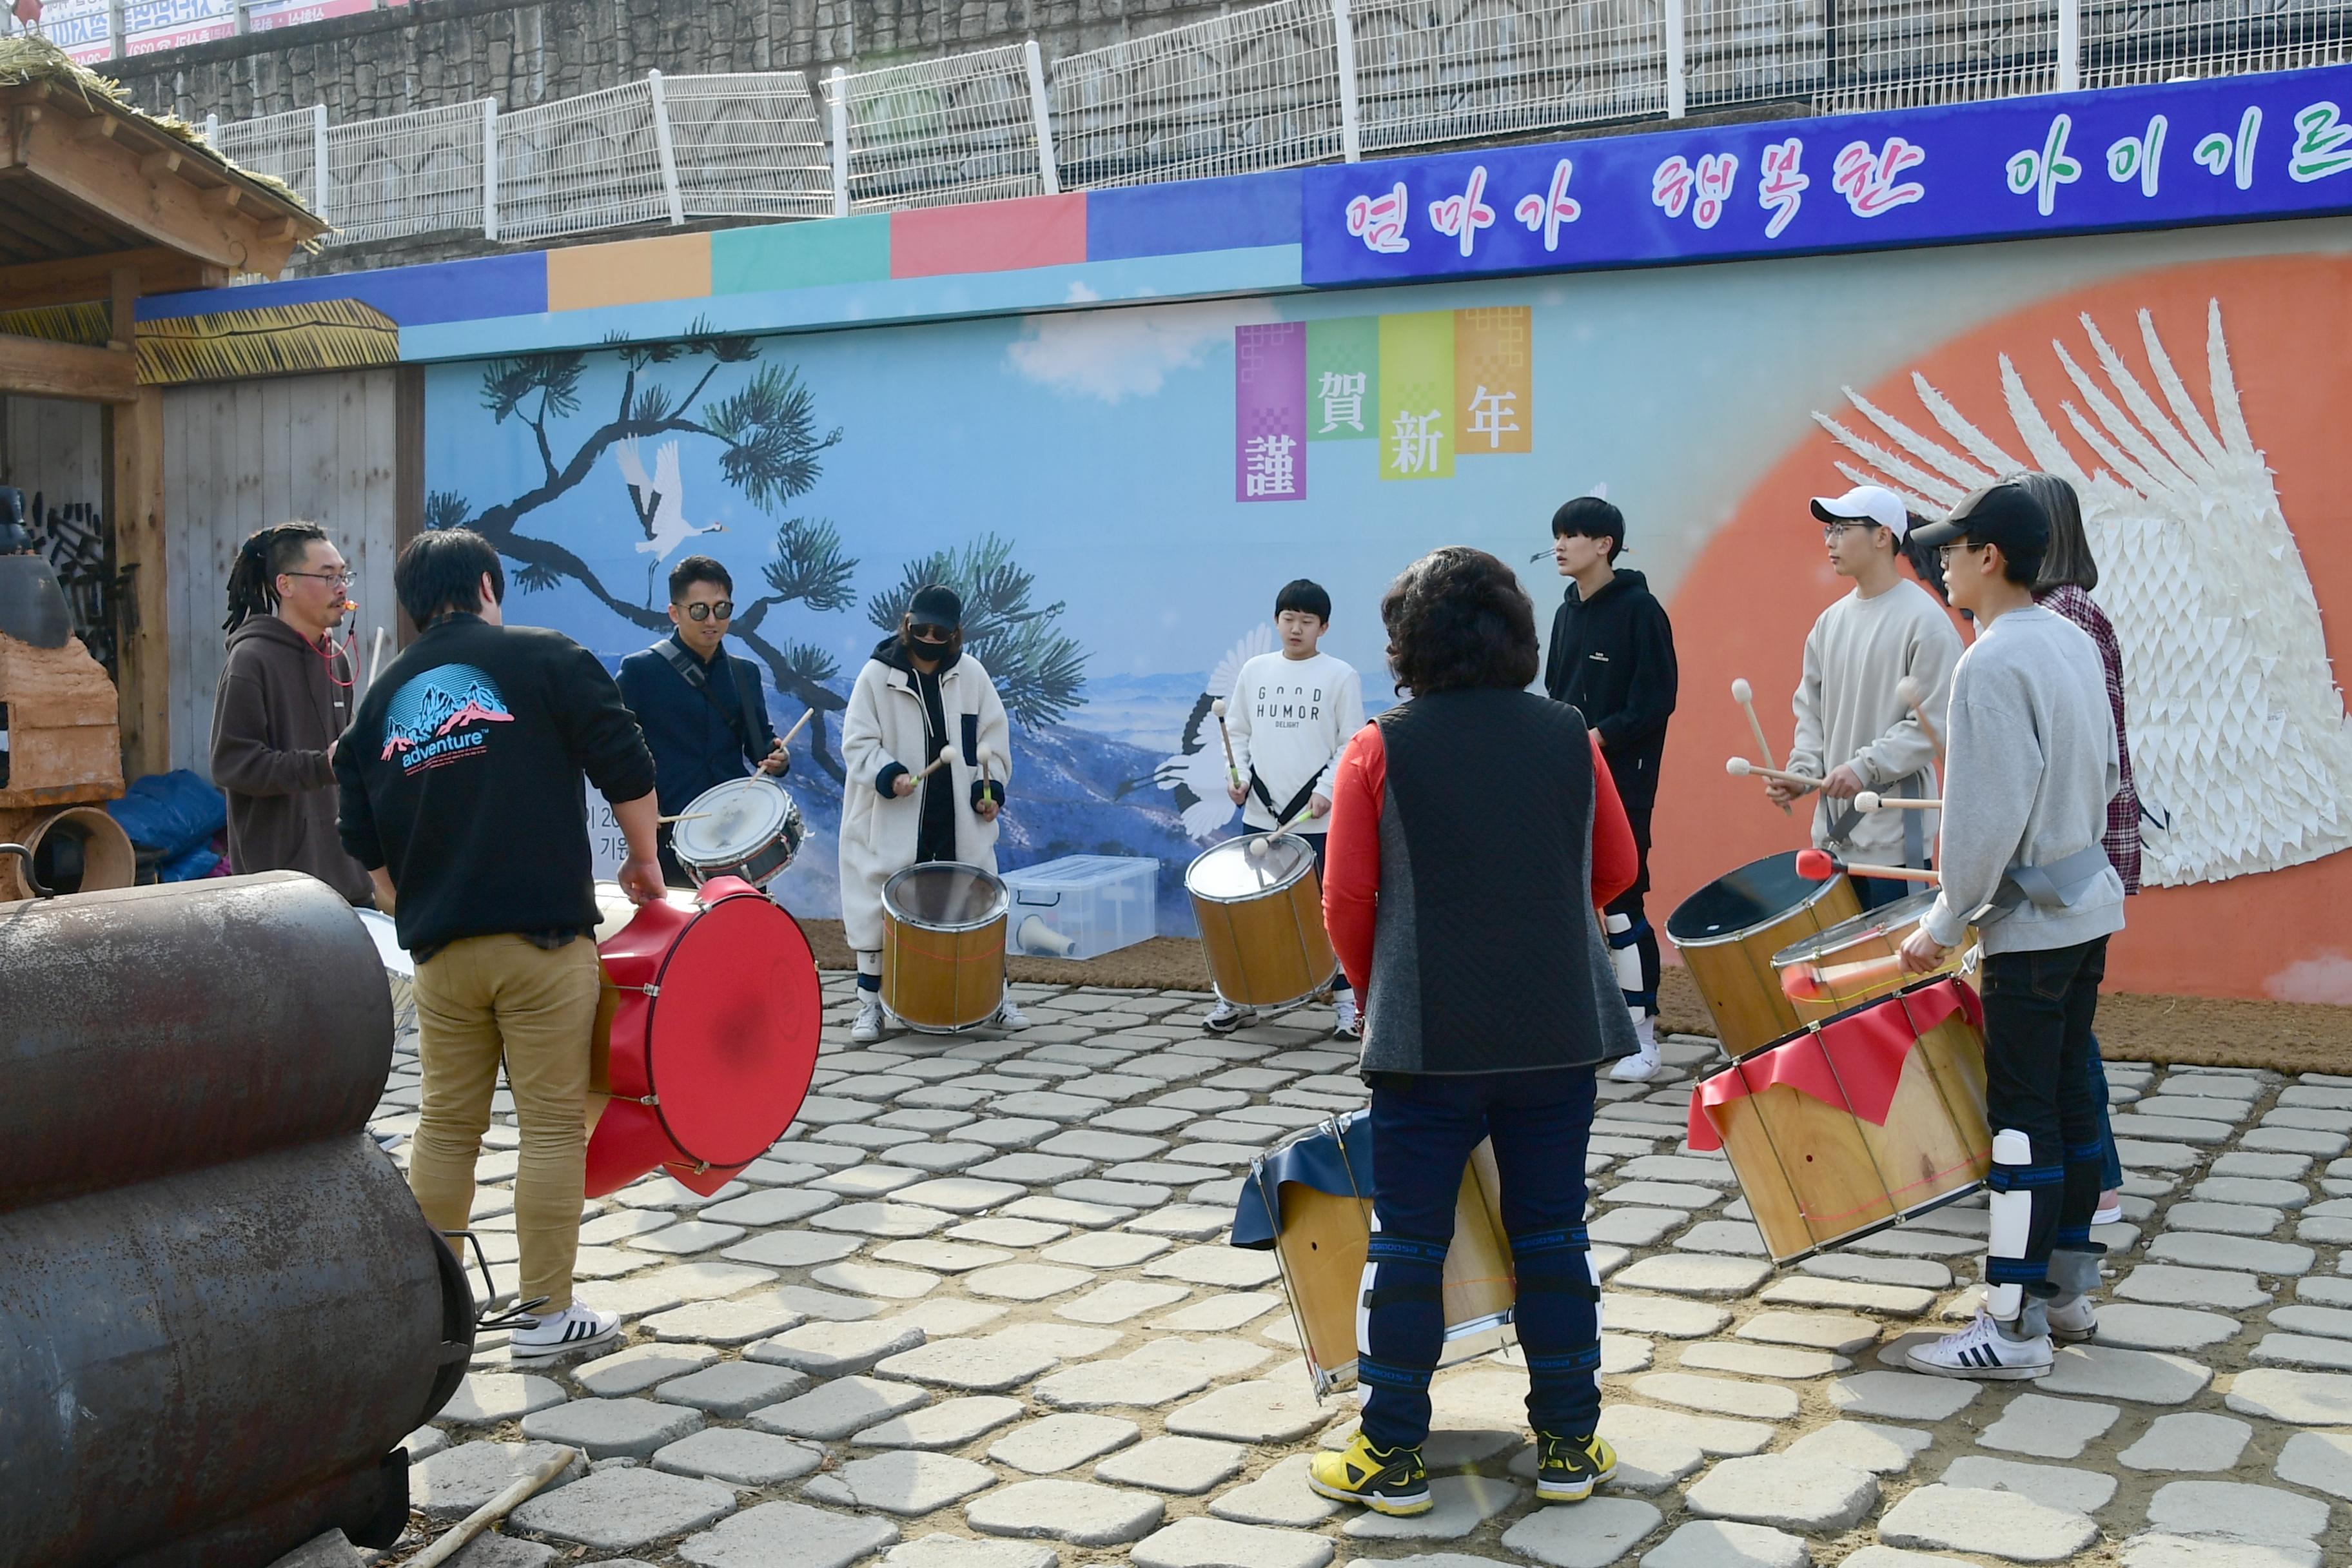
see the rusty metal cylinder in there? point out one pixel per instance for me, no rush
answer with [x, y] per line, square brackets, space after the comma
[220, 1310]
[154, 1030]
[184, 1350]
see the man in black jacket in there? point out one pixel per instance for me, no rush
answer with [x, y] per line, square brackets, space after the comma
[461, 795]
[698, 705]
[1612, 658]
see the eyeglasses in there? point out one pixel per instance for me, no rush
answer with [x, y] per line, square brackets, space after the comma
[928, 633]
[332, 579]
[724, 609]
[1946, 551]
[1833, 531]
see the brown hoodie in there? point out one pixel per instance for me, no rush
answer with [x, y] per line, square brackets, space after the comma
[280, 708]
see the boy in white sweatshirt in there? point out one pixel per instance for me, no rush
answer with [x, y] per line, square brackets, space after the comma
[1291, 713]
[2030, 762]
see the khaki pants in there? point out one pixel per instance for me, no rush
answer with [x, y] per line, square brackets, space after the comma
[481, 1000]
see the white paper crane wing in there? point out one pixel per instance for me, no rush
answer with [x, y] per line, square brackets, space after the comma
[2238, 730]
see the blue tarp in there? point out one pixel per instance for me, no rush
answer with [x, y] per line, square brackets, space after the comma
[174, 813]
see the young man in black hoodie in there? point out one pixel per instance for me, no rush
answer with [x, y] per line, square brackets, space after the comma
[1613, 658]
[461, 795]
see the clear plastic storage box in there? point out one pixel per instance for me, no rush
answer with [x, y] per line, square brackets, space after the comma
[1082, 906]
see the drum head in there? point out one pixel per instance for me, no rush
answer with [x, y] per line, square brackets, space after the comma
[944, 895]
[1900, 915]
[730, 822]
[1757, 893]
[1230, 874]
[731, 1037]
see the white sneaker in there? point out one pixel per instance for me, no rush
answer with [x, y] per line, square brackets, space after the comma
[1982, 1350]
[868, 1027]
[574, 1328]
[2110, 1210]
[1009, 1016]
[1643, 1065]
[1224, 1018]
[2071, 1322]
[1350, 1026]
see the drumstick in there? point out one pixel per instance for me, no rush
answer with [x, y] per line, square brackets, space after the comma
[934, 765]
[1908, 690]
[1815, 863]
[801, 724]
[1819, 983]
[1740, 767]
[1745, 695]
[1232, 770]
[1257, 845]
[1870, 801]
[686, 816]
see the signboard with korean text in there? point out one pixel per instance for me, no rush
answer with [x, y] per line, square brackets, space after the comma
[2231, 149]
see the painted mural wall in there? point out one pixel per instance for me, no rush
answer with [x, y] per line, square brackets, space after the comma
[1122, 490]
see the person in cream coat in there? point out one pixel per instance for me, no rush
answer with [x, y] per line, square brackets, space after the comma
[919, 695]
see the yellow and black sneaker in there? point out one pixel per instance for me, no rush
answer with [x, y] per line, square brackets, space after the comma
[1568, 1469]
[1386, 1480]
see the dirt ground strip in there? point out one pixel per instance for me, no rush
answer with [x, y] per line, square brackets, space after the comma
[1093, 1162]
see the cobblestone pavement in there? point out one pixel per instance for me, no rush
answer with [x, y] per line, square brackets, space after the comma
[977, 1312]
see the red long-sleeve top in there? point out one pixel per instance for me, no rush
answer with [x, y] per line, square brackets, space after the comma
[1351, 886]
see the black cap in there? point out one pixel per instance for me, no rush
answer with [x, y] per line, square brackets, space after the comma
[2004, 514]
[937, 605]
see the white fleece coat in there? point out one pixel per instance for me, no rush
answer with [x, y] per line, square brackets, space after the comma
[885, 724]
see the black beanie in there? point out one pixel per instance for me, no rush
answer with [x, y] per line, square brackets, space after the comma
[937, 605]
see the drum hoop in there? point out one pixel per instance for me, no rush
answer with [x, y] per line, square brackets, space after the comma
[1284, 886]
[1003, 900]
[1813, 1025]
[1733, 938]
[733, 787]
[1790, 954]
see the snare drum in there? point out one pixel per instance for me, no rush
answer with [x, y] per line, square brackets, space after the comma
[943, 946]
[1729, 931]
[1854, 1124]
[1874, 933]
[706, 1037]
[1261, 920]
[748, 828]
[1310, 1200]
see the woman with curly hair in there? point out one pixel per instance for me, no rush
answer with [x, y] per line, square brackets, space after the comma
[1474, 832]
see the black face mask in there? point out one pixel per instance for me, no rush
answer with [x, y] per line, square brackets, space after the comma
[935, 652]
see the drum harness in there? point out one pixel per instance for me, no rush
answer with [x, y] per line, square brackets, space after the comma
[1844, 818]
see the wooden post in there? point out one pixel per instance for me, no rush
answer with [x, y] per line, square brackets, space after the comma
[408, 480]
[123, 324]
[134, 507]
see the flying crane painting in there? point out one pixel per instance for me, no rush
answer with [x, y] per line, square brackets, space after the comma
[660, 504]
[2237, 728]
[1196, 776]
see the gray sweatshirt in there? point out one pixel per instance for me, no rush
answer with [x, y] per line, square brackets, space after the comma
[2030, 765]
[1848, 712]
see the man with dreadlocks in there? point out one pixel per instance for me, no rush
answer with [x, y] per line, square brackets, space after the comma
[284, 695]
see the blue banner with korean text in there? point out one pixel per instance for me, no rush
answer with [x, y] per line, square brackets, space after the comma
[2232, 150]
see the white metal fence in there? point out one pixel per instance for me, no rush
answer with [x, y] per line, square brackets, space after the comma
[1276, 85]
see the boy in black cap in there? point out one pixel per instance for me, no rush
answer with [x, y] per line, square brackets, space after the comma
[919, 695]
[2030, 762]
[1613, 658]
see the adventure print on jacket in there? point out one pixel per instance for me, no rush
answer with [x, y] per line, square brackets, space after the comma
[426, 722]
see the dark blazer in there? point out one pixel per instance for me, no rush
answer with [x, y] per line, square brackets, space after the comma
[697, 737]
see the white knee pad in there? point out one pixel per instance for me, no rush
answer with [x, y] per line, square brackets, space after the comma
[2013, 1219]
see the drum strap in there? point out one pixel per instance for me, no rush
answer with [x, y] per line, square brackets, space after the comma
[2052, 887]
[1297, 803]
[740, 718]
[1844, 819]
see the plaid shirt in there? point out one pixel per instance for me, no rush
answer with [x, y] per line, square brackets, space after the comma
[2123, 812]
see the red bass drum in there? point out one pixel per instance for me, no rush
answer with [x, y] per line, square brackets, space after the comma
[706, 1037]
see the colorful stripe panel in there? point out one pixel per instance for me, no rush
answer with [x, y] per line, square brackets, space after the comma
[990, 236]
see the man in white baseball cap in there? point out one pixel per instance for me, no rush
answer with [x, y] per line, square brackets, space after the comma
[1855, 731]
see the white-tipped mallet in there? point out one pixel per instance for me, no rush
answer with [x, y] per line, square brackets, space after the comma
[1258, 845]
[1915, 697]
[1868, 801]
[1232, 770]
[1741, 768]
[1745, 695]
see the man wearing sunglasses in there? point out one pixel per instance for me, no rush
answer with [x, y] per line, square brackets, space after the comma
[698, 705]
